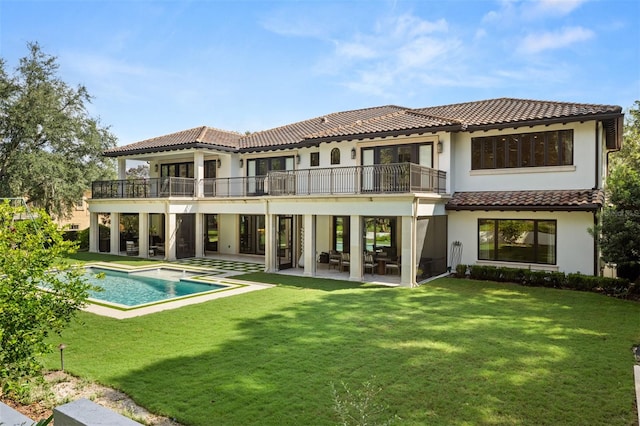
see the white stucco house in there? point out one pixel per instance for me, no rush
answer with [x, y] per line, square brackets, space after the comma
[506, 181]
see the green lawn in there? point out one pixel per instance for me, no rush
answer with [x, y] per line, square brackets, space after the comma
[453, 352]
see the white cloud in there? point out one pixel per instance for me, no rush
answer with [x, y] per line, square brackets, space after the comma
[536, 43]
[552, 7]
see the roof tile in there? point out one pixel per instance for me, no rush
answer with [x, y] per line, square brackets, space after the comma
[580, 199]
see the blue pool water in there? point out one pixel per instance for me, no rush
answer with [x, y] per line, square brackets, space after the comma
[132, 289]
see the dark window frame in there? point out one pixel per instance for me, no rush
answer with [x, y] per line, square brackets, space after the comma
[314, 159]
[335, 156]
[537, 252]
[173, 169]
[521, 150]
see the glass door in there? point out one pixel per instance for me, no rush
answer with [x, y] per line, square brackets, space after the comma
[285, 242]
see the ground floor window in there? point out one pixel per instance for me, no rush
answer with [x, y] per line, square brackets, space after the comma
[252, 239]
[517, 240]
[211, 232]
[380, 234]
[341, 234]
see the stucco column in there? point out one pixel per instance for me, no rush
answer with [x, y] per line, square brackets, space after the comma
[408, 265]
[356, 249]
[143, 232]
[200, 235]
[122, 168]
[170, 239]
[198, 174]
[271, 243]
[115, 233]
[309, 223]
[94, 232]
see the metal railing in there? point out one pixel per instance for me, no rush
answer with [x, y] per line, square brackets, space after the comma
[374, 179]
[144, 188]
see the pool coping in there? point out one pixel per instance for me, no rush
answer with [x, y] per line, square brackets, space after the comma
[103, 309]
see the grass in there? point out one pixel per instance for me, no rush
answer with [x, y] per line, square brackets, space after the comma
[454, 352]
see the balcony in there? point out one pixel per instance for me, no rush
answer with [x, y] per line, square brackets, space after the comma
[376, 179]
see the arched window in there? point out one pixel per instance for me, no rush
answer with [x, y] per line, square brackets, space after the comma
[335, 156]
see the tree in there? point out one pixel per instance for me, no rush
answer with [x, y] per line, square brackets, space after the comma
[51, 149]
[141, 171]
[31, 246]
[619, 224]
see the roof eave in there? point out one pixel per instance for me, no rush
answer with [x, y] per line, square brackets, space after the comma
[584, 208]
[389, 133]
[195, 145]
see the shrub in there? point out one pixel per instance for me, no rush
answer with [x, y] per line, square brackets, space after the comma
[616, 287]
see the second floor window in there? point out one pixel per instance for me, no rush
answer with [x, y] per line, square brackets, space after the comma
[315, 159]
[184, 170]
[335, 156]
[553, 148]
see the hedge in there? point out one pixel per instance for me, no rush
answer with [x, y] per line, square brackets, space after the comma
[616, 287]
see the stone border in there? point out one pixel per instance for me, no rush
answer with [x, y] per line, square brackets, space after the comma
[636, 373]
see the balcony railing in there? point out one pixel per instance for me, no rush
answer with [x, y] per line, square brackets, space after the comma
[144, 188]
[375, 179]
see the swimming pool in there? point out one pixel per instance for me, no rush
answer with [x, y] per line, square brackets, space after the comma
[135, 288]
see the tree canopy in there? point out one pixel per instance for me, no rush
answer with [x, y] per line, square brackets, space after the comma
[51, 148]
[620, 219]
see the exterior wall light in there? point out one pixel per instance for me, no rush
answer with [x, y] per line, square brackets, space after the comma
[219, 163]
[297, 158]
[439, 147]
[156, 167]
[353, 153]
[241, 163]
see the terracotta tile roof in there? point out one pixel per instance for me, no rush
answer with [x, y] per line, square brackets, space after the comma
[394, 122]
[580, 199]
[493, 112]
[382, 120]
[297, 132]
[197, 136]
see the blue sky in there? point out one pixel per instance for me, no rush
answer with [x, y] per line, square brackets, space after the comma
[156, 67]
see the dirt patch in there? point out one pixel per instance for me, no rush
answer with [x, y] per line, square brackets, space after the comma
[64, 388]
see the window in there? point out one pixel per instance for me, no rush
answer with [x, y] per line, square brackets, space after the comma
[335, 156]
[421, 154]
[184, 170]
[341, 234]
[553, 148]
[515, 240]
[315, 159]
[380, 234]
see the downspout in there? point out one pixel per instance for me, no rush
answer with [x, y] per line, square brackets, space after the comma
[597, 185]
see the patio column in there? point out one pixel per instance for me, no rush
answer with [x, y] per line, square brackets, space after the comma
[115, 233]
[94, 232]
[309, 223]
[356, 249]
[408, 265]
[271, 243]
[200, 235]
[198, 159]
[170, 236]
[143, 233]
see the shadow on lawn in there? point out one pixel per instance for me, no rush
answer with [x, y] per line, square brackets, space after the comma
[449, 353]
[306, 282]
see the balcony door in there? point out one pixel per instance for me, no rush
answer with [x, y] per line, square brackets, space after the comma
[258, 168]
[392, 178]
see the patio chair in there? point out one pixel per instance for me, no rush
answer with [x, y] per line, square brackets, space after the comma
[345, 261]
[369, 263]
[334, 259]
[132, 250]
[393, 266]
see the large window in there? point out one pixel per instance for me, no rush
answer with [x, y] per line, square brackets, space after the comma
[380, 234]
[410, 153]
[516, 240]
[184, 170]
[553, 148]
